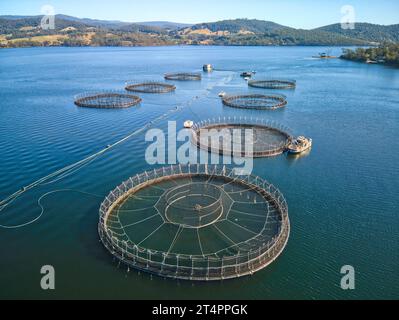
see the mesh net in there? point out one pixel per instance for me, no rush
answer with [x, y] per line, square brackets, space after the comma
[255, 101]
[242, 137]
[150, 87]
[273, 84]
[195, 222]
[106, 100]
[183, 76]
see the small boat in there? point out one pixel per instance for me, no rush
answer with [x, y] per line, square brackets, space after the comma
[188, 124]
[324, 55]
[299, 145]
[369, 61]
[222, 94]
[207, 68]
[246, 74]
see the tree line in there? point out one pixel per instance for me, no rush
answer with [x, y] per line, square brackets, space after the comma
[385, 54]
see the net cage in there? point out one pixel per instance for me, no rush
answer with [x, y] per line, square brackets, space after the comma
[255, 101]
[182, 76]
[106, 100]
[150, 87]
[273, 84]
[242, 137]
[195, 222]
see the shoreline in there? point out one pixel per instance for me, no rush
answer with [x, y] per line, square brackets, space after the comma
[198, 45]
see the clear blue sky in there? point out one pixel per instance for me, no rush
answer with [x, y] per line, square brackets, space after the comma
[295, 13]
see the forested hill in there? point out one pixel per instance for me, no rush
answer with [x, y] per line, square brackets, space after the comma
[366, 31]
[256, 32]
[22, 31]
[235, 26]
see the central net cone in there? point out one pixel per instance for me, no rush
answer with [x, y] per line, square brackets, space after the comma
[194, 205]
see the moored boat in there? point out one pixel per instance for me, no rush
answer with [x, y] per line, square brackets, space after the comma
[247, 74]
[324, 55]
[207, 68]
[299, 145]
[188, 124]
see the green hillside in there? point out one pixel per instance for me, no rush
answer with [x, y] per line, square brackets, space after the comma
[70, 31]
[366, 31]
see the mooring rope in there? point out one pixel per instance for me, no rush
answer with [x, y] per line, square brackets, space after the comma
[77, 166]
[39, 202]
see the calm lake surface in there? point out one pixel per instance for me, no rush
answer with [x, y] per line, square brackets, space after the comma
[343, 197]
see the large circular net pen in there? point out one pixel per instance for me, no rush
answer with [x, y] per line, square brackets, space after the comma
[106, 100]
[242, 137]
[273, 84]
[195, 222]
[183, 76]
[150, 87]
[255, 101]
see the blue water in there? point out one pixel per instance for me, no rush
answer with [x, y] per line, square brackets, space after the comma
[343, 196]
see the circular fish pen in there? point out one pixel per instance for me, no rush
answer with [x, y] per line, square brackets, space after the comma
[183, 76]
[273, 84]
[255, 101]
[150, 87]
[106, 100]
[242, 137]
[195, 222]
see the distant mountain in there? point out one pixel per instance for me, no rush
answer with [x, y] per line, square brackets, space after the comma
[366, 31]
[235, 26]
[17, 27]
[23, 31]
[256, 32]
[137, 28]
[70, 31]
[165, 25]
[16, 17]
[114, 24]
[93, 22]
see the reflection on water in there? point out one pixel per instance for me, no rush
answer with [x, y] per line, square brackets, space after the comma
[295, 157]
